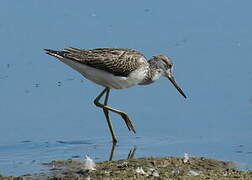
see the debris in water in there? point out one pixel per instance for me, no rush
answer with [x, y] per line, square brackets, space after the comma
[37, 85]
[59, 83]
[75, 156]
[70, 79]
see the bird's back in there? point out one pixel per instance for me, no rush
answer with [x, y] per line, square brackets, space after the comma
[118, 61]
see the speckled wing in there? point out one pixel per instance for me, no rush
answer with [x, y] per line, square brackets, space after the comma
[118, 61]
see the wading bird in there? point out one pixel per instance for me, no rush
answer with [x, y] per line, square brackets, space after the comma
[116, 68]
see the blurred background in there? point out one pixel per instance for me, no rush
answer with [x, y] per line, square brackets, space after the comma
[47, 110]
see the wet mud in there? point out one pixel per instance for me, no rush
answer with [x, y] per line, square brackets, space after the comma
[141, 168]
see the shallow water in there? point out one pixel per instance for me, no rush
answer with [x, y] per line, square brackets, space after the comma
[27, 157]
[47, 110]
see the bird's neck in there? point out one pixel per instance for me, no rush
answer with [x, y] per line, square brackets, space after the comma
[152, 74]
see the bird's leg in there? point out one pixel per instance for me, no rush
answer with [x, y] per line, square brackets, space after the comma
[106, 112]
[112, 152]
[123, 114]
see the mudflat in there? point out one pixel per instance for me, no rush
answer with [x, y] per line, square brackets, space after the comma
[194, 168]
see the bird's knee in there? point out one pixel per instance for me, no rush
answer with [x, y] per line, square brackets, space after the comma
[96, 102]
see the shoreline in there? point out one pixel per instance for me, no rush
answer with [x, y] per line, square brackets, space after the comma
[141, 168]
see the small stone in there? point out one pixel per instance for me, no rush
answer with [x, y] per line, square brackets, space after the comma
[140, 170]
[155, 174]
[193, 173]
[186, 158]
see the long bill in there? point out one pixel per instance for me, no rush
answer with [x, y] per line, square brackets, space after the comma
[173, 81]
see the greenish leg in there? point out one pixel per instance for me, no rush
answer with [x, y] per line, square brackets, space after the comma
[108, 108]
[106, 112]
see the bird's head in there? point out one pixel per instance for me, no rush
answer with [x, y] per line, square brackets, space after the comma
[164, 66]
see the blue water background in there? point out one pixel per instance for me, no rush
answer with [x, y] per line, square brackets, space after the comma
[47, 110]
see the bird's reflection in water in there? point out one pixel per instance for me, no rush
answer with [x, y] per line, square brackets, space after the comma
[131, 153]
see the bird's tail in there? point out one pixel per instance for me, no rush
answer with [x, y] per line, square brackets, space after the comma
[66, 53]
[57, 54]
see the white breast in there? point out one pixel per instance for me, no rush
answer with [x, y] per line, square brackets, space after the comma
[106, 79]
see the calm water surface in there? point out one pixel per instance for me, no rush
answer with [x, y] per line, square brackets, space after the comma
[46, 108]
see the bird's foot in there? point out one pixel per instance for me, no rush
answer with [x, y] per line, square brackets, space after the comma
[128, 122]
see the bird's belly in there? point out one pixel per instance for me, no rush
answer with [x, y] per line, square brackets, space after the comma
[106, 79]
